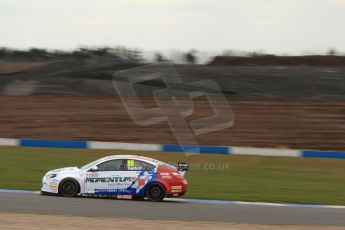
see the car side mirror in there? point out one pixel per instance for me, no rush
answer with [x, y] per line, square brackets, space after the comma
[94, 169]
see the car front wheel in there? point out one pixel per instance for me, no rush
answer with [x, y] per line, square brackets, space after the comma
[69, 188]
[155, 192]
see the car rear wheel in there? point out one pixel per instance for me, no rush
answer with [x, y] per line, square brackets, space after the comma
[69, 188]
[155, 192]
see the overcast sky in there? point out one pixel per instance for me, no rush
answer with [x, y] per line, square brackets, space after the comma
[275, 26]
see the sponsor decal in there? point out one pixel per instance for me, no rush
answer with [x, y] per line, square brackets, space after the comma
[116, 193]
[110, 190]
[124, 197]
[92, 174]
[138, 168]
[131, 166]
[107, 179]
[53, 185]
[143, 179]
[176, 189]
[164, 174]
[141, 182]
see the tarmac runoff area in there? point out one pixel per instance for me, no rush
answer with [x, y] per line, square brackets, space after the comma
[43, 222]
[35, 211]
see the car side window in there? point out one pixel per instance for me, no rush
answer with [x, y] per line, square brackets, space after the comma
[136, 165]
[112, 165]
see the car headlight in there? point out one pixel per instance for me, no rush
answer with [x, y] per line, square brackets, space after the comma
[50, 176]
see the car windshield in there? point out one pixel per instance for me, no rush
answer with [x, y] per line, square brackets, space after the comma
[89, 165]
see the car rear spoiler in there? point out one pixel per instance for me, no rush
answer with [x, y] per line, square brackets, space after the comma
[182, 167]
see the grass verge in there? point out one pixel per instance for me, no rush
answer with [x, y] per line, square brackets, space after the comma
[225, 177]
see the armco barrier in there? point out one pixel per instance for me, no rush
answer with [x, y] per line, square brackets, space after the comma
[53, 143]
[126, 146]
[323, 154]
[170, 148]
[8, 142]
[194, 149]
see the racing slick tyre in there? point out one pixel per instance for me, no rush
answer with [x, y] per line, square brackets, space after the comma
[155, 192]
[69, 188]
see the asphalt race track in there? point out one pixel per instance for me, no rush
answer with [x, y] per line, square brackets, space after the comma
[171, 210]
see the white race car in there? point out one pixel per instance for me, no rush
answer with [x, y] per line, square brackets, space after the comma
[122, 176]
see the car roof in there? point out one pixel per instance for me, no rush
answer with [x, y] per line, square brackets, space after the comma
[134, 157]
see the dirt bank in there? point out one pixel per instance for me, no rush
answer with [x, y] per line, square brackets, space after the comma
[258, 122]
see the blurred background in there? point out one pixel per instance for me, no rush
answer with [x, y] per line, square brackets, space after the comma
[279, 63]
